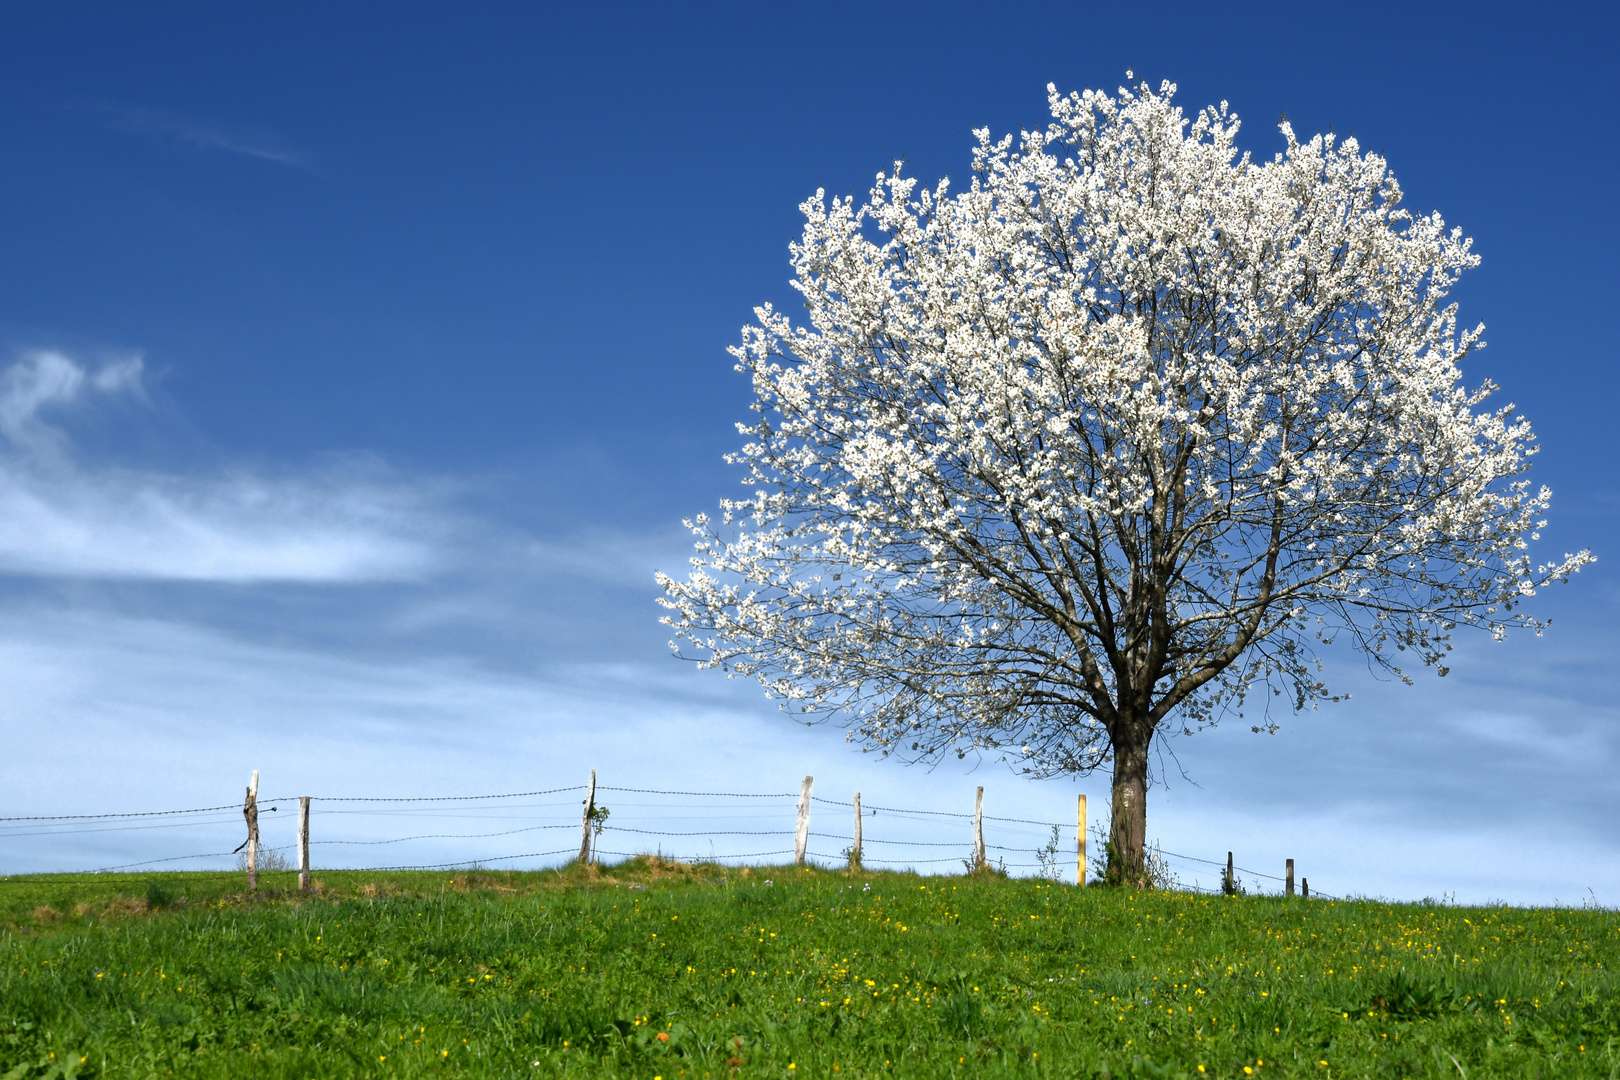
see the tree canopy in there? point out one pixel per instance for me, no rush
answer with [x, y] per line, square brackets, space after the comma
[1134, 425]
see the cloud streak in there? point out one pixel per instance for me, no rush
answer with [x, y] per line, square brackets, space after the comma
[139, 120]
[61, 519]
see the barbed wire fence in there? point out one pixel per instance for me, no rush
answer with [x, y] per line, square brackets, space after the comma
[472, 832]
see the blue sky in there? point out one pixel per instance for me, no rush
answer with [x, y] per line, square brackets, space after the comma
[357, 365]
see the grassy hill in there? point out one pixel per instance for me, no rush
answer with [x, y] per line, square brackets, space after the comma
[656, 971]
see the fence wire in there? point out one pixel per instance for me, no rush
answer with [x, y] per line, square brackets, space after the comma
[675, 824]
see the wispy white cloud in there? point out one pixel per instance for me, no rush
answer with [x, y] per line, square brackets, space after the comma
[59, 517]
[141, 120]
[44, 380]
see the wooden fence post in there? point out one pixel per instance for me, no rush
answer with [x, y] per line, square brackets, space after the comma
[1305, 888]
[585, 821]
[978, 830]
[801, 836]
[1230, 884]
[1288, 879]
[855, 849]
[303, 843]
[1080, 861]
[250, 810]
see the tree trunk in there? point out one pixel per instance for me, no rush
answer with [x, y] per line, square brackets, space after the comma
[1127, 826]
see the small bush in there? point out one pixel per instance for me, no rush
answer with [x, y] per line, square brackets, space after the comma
[270, 859]
[158, 893]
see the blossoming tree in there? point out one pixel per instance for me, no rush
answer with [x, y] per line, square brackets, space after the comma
[1100, 446]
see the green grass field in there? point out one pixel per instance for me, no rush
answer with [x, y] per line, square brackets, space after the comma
[647, 970]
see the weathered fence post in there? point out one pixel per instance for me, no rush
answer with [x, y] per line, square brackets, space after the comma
[303, 843]
[855, 849]
[978, 830]
[1229, 884]
[1288, 879]
[1080, 853]
[801, 836]
[585, 821]
[250, 811]
[1305, 888]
